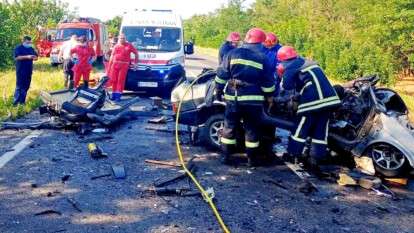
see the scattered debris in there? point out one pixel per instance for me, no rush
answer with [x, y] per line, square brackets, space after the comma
[157, 101]
[48, 212]
[119, 171]
[52, 194]
[62, 230]
[74, 203]
[96, 152]
[384, 191]
[34, 185]
[100, 176]
[397, 181]
[158, 120]
[355, 178]
[165, 163]
[65, 178]
[365, 165]
[164, 182]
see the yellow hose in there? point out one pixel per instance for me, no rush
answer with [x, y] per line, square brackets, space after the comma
[205, 195]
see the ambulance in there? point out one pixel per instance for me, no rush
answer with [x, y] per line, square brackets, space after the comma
[159, 38]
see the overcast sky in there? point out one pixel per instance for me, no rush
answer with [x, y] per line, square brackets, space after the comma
[107, 9]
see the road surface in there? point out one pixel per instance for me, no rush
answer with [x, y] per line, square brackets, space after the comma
[33, 197]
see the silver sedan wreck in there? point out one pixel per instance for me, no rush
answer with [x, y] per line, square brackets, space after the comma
[372, 122]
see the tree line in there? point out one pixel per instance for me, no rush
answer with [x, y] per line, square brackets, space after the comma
[348, 38]
[26, 17]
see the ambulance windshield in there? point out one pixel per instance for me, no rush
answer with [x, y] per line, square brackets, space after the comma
[153, 39]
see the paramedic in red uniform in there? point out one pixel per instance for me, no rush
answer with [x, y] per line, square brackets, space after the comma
[83, 57]
[119, 65]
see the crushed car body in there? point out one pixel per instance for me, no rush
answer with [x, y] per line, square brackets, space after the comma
[371, 121]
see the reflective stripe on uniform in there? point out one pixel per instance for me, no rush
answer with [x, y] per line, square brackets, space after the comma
[228, 141]
[309, 104]
[269, 89]
[219, 80]
[332, 102]
[309, 68]
[252, 144]
[244, 97]
[319, 141]
[318, 86]
[247, 63]
[327, 131]
[298, 139]
[304, 87]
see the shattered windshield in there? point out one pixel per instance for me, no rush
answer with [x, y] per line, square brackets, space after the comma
[154, 38]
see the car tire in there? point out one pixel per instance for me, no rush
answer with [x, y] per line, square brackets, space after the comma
[388, 160]
[209, 134]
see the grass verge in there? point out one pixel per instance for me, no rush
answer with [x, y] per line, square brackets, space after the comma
[45, 77]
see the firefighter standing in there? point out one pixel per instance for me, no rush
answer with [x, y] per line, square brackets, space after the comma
[316, 99]
[245, 77]
[85, 56]
[232, 41]
[119, 65]
[64, 54]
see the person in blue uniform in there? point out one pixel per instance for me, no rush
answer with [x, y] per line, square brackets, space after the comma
[24, 55]
[317, 98]
[232, 41]
[245, 79]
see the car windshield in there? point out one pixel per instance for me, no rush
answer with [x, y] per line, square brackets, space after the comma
[66, 33]
[153, 39]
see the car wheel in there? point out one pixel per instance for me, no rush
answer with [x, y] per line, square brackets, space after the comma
[388, 160]
[211, 131]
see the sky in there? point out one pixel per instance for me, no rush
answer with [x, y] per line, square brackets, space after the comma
[107, 9]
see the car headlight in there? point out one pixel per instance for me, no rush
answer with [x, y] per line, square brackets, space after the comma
[177, 60]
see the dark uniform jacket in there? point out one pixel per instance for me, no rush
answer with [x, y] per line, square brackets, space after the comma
[225, 48]
[246, 75]
[316, 92]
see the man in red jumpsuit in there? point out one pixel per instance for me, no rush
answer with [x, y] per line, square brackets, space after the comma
[85, 56]
[119, 65]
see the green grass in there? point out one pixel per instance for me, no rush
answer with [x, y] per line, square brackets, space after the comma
[45, 77]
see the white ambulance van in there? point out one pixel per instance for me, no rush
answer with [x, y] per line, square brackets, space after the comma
[159, 38]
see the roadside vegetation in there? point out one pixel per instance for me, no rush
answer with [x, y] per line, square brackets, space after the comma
[349, 38]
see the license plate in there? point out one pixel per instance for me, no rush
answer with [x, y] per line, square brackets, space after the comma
[147, 84]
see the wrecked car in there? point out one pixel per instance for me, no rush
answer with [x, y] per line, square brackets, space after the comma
[372, 121]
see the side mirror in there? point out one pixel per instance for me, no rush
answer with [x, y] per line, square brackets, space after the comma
[189, 48]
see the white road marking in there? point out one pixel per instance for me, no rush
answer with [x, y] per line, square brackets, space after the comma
[19, 147]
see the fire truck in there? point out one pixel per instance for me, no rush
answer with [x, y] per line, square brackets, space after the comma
[94, 30]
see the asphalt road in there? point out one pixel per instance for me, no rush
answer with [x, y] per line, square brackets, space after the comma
[250, 200]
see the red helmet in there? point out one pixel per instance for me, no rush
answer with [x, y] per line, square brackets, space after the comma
[255, 35]
[271, 39]
[233, 37]
[286, 53]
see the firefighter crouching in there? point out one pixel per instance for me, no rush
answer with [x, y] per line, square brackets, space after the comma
[316, 97]
[245, 77]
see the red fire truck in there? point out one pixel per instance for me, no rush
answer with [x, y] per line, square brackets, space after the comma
[92, 28]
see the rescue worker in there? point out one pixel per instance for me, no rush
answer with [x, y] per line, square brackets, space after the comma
[316, 98]
[64, 54]
[119, 65]
[85, 56]
[232, 41]
[245, 78]
[271, 46]
[24, 55]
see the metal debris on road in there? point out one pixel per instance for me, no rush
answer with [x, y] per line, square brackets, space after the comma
[165, 163]
[119, 171]
[48, 212]
[100, 176]
[166, 181]
[158, 120]
[65, 178]
[74, 203]
[96, 152]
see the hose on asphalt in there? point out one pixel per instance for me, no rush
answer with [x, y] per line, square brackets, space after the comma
[203, 192]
